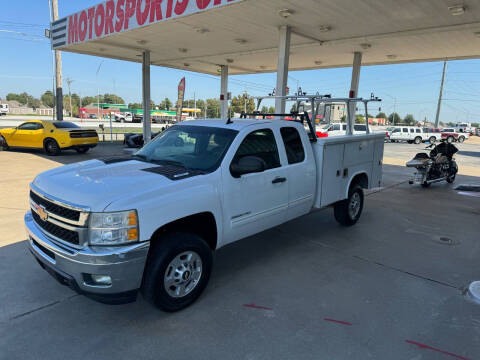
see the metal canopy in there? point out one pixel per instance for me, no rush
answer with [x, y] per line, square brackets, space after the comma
[244, 34]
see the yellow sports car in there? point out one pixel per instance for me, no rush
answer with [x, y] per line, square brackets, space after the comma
[52, 136]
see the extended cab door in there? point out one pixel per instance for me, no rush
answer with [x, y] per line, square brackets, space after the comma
[301, 171]
[256, 201]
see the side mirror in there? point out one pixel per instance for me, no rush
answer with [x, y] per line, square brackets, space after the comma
[247, 165]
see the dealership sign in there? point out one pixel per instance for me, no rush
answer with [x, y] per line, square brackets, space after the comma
[116, 16]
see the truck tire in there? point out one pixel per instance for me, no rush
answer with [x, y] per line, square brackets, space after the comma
[418, 140]
[177, 271]
[461, 139]
[432, 140]
[51, 147]
[450, 139]
[3, 143]
[347, 212]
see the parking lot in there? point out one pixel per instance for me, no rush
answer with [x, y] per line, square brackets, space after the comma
[391, 287]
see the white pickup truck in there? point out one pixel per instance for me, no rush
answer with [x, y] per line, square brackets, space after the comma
[415, 134]
[109, 228]
[4, 110]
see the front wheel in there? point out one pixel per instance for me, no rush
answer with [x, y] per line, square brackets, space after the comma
[432, 140]
[450, 139]
[417, 140]
[3, 143]
[347, 212]
[177, 271]
[461, 139]
[51, 147]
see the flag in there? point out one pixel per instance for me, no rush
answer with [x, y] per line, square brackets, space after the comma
[181, 97]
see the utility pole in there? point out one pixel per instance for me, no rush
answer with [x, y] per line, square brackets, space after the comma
[58, 68]
[69, 81]
[437, 117]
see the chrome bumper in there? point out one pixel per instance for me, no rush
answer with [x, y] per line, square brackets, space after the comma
[72, 266]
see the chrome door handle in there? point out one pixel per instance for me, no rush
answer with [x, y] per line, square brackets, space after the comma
[279, 180]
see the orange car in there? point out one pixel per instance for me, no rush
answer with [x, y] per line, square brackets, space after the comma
[52, 136]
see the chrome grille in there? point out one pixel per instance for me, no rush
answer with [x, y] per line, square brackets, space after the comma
[60, 221]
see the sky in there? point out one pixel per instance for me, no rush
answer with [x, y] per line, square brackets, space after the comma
[26, 65]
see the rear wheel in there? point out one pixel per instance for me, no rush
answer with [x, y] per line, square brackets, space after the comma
[417, 140]
[461, 139]
[347, 212]
[51, 147]
[3, 143]
[432, 140]
[177, 271]
[82, 150]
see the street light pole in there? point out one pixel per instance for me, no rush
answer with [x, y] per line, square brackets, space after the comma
[58, 67]
[98, 90]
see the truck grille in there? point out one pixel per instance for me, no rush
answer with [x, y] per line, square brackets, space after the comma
[54, 208]
[57, 231]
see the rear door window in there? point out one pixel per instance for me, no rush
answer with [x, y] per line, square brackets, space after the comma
[293, 145]
[418, 131]
[405, 130]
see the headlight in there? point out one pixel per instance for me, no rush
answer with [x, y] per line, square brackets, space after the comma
[116, 228]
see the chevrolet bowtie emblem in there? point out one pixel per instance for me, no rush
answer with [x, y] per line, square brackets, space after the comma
[41, 212]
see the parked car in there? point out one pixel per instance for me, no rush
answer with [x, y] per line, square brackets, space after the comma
[52, 136]
[453, 134]
[152, 221]
[465, 128]
[128, 117]
[338, 129]
[414, 134]
[4, 110]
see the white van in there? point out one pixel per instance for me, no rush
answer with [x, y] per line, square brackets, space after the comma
[339, 129]
[4, 109]
[414, 134]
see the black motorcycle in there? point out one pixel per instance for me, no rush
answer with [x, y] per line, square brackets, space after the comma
[437, 166]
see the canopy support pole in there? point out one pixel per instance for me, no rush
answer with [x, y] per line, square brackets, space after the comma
[224, 92]
[357, 64]
[147, 125]
[282, 68]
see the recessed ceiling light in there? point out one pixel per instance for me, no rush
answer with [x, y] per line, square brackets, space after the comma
[202, 30]
[365, 46]
[392, 56]
[230, 61]
[183, 50]
[456, 10]
[240, 41]
[325, 28]
[318, 62]
[285, 13]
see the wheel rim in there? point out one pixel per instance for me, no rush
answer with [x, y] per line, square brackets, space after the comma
[183, 274]
[51, 147]
[354, 205]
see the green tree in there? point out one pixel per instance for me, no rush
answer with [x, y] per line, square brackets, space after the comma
[243, 102]
[409, 119]
[48, 99]
[166, 104]
[450, 124]
[394, 118]
[112, 99]
[475, 125]
[381, 115]
[359, 119]
[87, 100]
[271, 109]
[264, 110]
[213, 108]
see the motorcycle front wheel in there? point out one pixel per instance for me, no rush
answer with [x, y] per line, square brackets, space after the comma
[451, 178]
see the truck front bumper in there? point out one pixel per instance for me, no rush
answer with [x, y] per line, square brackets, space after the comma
[74, 268]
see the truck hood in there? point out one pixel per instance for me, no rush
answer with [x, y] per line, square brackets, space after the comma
[96, 184]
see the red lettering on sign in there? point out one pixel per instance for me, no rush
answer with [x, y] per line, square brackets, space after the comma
[73, 29]
[202, 4]
[120, 17]
[181, 6]
[155, 10]
[82, 26]
[110, 10]
[99, 15]
[91, 16]
[142, 16]
[129, 12]
[169, 9]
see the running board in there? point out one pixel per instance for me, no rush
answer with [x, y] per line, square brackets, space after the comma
[436, 180]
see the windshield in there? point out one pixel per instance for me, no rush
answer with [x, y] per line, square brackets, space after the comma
[192, 147]
[65, 125]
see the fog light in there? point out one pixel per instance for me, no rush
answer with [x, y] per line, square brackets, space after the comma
[101, 279]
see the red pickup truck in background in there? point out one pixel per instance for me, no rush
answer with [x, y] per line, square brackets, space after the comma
[452, 134]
